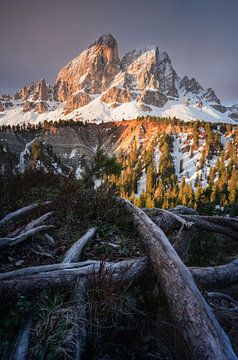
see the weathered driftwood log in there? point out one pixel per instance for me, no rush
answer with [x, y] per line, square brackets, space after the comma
[218, 277]
[20, 213]
[31, 280]
[20, 349]
[74, 253]
[203, 336]
[11, 241]
[210, 225]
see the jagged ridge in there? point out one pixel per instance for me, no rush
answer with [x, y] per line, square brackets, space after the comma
[98, 86]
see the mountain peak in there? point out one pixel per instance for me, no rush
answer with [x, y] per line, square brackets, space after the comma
[105, 39]
[97, 85]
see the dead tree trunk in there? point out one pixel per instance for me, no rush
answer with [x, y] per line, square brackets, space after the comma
[203, 336]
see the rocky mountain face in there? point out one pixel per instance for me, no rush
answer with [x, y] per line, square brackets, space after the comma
[97, 85]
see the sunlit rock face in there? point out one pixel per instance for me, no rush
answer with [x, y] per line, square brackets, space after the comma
[76, 101]
[93, 70]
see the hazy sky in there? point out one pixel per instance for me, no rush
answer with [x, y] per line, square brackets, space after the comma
[38, 37]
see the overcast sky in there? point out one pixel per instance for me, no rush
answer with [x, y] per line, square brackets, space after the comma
[38, 37]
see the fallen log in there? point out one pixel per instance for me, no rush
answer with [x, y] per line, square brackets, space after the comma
[208, 225]
[11, 241]
[74, 253]
[217, 276]
[170, 222]
[30, 280]
[202, 334]
[230, 222]
[20, 213]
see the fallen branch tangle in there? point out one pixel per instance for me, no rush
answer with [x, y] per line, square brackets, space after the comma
[195, 319]
[202, 334]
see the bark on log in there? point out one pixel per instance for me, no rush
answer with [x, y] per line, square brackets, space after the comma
[74, 253]
[203, 336]
[22, 212]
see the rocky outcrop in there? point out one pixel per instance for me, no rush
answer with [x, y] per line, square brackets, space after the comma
[142, 68]
[42, 90]
[210, 96]
[167, 76]
[34, 92]
[116, 95]
[93, 70]
[155, 98]
[61, 90]
[41, 107]
[199, 104]
[233, 112]
[24, 94]
[234, 116]
[27, 106]
[2, 108]
[144, 107]
[220, 108]
[76, 101]
[190, 85]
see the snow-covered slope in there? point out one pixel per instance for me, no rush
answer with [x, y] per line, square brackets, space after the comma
[97, 111]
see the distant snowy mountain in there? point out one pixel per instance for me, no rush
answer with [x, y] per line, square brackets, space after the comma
[97, 86]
